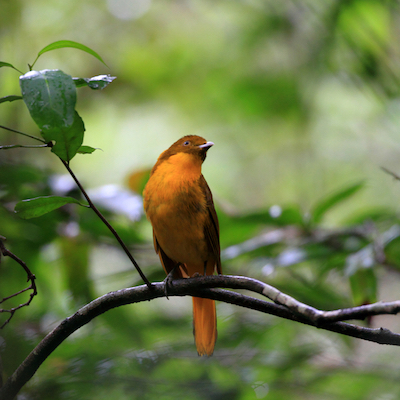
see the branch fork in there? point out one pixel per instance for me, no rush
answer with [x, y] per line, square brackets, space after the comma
[30, 277]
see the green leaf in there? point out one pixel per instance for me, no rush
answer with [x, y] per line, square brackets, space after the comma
[68, 140]
[32, 208]
[363, 285]
[60, 44]
[392, 252]
[238, 228]
[10, 98]
[374, 34]
[322, 295]
[75, 262]
[5, 64]
[328, 203]
[50, 96]
[86, 150]
[95, 83]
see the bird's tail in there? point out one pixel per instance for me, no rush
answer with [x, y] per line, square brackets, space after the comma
[204, 325]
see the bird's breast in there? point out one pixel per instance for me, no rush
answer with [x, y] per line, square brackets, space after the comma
[176, 206]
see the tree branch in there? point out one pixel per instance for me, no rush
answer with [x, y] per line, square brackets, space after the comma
[30, 277]
[288, 308]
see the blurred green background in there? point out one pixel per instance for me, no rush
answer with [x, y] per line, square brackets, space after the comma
[302, 102]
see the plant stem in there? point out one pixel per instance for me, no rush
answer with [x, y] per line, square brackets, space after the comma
[22, 133]
[113, 231]
[14, 146]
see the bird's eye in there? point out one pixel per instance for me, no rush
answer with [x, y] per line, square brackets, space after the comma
[186, 143]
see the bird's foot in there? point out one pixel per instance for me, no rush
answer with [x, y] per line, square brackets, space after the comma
[169, 279]
[198, 274]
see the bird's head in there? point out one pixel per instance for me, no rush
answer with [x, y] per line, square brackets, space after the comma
[190, 144]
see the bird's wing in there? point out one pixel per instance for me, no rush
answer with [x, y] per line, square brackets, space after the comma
[212, 227]
[167, 263]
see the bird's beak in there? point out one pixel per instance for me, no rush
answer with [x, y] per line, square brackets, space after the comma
[206, 146]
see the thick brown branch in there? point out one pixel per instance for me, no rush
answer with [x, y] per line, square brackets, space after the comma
[204, 287]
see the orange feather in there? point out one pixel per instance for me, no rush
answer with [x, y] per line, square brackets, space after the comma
[179, 205]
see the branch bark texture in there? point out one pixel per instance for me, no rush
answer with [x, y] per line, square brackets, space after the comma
[284, 306]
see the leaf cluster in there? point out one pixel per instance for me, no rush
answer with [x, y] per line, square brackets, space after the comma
[50, 96]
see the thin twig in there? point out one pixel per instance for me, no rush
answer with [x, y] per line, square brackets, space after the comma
[24, 146]
[113, 231]
[31, 277]
[23, 133]
[395, 176]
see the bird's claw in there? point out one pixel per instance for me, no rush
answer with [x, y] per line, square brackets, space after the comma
[169, 279]
[168, 282]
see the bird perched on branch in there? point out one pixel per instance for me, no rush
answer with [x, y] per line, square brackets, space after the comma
[179, 205]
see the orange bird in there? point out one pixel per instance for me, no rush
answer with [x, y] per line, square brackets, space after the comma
[179, 205]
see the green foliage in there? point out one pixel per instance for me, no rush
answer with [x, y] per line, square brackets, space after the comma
[38, 206]
[68, 140]
[50, 96]
[322, 207]
[60, 44]
[86, 150]
[54, 90]
[6, 64]
[364, 286]
[392, 252]
[95, 83]
[256, 76]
